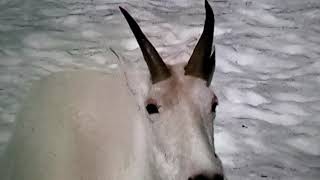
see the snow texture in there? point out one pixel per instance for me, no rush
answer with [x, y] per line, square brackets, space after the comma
[267, 76]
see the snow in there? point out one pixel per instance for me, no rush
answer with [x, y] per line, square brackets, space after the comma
[267, 75]
[247, 97]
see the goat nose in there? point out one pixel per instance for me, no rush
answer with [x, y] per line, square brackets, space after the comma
[204, 177]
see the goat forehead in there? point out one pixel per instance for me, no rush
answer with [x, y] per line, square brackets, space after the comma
[180, 87]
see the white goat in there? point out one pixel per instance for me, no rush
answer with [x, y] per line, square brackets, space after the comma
[86, 125]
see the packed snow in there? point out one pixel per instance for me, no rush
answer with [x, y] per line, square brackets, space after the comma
[267, 77]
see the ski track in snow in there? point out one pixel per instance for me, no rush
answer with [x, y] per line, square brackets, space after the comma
[267, 76]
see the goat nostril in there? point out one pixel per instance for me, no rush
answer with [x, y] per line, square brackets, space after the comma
[218, 177]
[203, 177]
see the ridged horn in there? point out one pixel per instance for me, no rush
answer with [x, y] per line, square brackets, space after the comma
[158, 69]
[202, 63]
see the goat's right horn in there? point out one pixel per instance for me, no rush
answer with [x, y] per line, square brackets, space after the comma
[202, 63]
[158, 69]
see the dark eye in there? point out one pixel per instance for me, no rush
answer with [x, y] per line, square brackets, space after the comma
[152, 108]
[214, 104]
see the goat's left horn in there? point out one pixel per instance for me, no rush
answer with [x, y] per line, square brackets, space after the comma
[202, 63]
[158, 69]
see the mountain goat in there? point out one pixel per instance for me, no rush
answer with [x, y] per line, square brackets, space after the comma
[86, 125]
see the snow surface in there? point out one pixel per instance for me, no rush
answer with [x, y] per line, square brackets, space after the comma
[267, 76]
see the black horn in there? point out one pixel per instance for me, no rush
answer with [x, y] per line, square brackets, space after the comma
[202, 62]
[158, 69]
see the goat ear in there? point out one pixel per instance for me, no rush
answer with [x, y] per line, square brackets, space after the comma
[202, 62]
[158, 69]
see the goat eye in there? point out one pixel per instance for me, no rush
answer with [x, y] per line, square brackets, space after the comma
[152, 109]
[213, 106]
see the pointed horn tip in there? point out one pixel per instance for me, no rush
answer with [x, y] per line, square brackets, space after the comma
[208, 8]
[206, 2]
[123, 11]
[207, 5]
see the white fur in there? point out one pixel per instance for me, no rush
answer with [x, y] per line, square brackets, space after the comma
[78, 126]
[87, 125]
